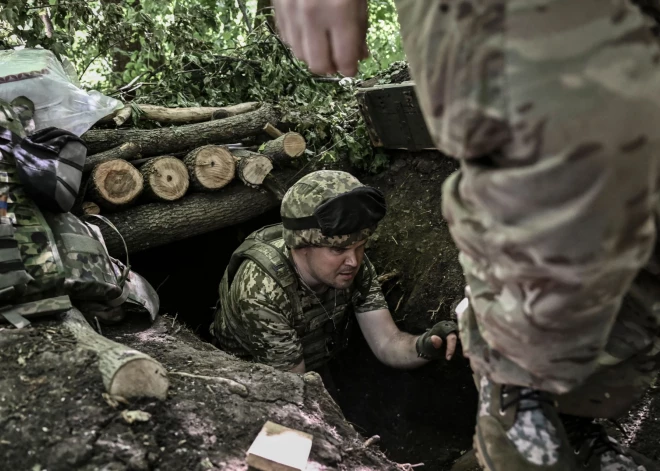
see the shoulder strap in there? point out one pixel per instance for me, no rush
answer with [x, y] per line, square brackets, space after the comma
[259, 248]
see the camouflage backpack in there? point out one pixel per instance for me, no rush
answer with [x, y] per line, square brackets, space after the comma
[49, 261]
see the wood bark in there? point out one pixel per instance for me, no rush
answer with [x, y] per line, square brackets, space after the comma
[115, 184]
[210, 167]
[166, 141]
[166, 115]
[126, 372]
[127, 151]
[285, 147]
[252, 168]
[165, 179]
[154, 224]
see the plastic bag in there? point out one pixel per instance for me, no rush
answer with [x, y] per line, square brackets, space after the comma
[58, 99]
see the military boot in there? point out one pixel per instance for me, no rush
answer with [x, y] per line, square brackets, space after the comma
[595, 450]
[518, 429]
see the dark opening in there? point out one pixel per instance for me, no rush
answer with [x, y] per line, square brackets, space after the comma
[425, 415]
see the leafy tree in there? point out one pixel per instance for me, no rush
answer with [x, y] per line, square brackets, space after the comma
[205, 53]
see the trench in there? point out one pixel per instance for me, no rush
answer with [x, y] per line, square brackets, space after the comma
[422, 416]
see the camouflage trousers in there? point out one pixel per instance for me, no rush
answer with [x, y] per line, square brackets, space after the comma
[553, 109]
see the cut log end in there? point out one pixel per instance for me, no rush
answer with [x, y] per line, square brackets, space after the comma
[89, 207]
[142, 377]
[294, 144]
[116, 183]
[211, 167]
[165, 178]
[253, 169]
[285, 147]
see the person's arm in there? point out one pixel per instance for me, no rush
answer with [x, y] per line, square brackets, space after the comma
[329, 35]
[395, 348]
[391, 346]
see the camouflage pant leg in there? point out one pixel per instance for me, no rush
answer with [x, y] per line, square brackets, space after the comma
[552, 106]
[630, 361]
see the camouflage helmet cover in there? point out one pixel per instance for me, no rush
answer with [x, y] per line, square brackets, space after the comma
[302, 199]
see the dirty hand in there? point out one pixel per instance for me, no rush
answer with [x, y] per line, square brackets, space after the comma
[429, 343]
[329, 35]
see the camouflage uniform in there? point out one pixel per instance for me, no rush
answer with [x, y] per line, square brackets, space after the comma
[552, 108]
[259, 319]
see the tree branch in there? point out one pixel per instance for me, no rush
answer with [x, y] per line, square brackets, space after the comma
[246, 16]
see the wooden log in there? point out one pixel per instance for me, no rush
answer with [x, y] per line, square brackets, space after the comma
[251, 167]
[285, 147]
[127, 151]
[122, 115]
[166, 115]
[89, 207]
[165, 141]
[165, 179]
[272, 131]
[126, 372]
[154, 224]
[210, 167]
[115, 184]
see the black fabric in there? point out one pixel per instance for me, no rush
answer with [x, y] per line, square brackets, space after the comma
[41, 168]
[11, 266]
[8, 140]
[348, 213]
[8, 243]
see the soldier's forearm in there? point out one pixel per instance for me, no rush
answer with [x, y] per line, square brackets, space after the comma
[400, 352]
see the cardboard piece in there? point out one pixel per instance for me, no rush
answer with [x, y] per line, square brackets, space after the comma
[279, 448]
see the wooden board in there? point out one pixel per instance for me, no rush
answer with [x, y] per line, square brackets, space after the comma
[279, 448]
[393, 117]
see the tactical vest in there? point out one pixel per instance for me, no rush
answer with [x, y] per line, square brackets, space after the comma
[321, 336]
[49, 261]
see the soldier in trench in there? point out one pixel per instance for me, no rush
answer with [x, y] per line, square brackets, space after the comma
[291, 291]
[552, 108]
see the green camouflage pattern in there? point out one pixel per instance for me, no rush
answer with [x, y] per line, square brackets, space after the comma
[89, 273]
[256, 320]
[302, 199]
[54, 256]
[40, 307]
[552, 107]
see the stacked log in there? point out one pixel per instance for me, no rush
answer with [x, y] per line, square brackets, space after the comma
[116, 184]
[165, 184]
[210, 167]
[165, 179]
[252, 168]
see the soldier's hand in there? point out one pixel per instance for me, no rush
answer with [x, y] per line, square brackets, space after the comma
[329, 35]
[429, 344]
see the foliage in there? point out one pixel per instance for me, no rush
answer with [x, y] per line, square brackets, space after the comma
[205, 53]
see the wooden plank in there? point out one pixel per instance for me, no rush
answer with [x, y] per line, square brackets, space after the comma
[279, 448]
[393, 117]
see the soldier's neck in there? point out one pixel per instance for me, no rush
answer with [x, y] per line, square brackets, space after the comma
[303, 272]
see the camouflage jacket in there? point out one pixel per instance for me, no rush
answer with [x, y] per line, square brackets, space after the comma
[257, 320]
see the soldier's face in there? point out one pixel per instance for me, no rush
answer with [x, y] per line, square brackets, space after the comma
[336, 267]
